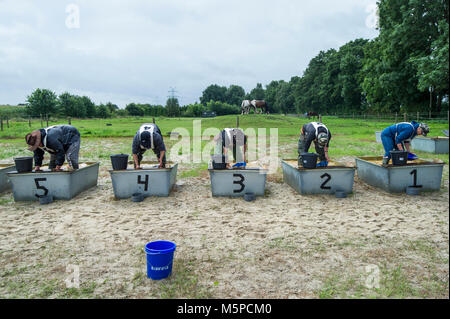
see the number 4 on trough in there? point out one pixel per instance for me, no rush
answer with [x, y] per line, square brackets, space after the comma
[145, 182]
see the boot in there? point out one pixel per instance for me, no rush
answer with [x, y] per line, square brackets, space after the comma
[385, 162]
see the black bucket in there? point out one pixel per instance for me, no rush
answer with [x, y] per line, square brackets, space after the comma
[24, 164]
[219, 161]
[308, 160]
[399, 157]
[119, 161]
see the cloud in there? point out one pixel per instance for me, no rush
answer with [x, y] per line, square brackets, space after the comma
[135, 51]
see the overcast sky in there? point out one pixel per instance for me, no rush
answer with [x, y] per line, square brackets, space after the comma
[135, 51]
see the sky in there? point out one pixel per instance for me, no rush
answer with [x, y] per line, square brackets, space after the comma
[136, 51]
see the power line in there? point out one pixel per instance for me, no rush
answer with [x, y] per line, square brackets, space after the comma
[172, 92]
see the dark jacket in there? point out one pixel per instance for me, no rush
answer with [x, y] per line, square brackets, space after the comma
[310, 134]
[158, 142]
[401, 132]
[58, 141]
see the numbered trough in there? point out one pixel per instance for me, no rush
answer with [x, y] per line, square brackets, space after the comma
[5, 184]
[237, 182]
[61, 185]
[422, 174]
[436, 145]
[321, 180]
[149, 181]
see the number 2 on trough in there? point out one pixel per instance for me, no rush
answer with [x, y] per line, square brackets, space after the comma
[145, 182]
[328, 178]
[239, 182]
[38, 186]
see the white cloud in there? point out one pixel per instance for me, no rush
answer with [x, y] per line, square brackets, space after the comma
[136, 50]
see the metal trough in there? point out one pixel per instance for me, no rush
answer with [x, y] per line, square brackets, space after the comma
[150, 180]
[321, 180]
[5, 184]
[62, 185]
[422, 174]
[378, 136]
[237, 182]
[436, 145]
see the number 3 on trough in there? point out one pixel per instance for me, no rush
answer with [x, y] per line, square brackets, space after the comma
[239, 182]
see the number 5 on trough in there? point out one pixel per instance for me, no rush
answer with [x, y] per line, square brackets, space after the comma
[38, 186]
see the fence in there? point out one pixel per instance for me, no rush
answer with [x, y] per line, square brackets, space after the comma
[394, 117]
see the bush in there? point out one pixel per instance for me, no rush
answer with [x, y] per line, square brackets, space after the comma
[194, 110]
[222, 108]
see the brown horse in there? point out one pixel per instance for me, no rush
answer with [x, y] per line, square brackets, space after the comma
[312, 114]
[259, 104]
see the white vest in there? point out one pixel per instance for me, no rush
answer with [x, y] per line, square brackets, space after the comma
[44, 141]
[147, 127]
[316, 127]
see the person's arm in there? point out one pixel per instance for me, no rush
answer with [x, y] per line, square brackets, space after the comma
[38, 157]
[245, 151]
[326, 153]
[60, 154]
[408, 147]
[136, 162]
[161, 156]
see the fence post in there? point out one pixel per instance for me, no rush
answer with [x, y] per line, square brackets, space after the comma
[153, 120]
[29, 121]
[417, 116]
[404, 117]
[42, 124]
[320, 118]
[7, 122]
[237, 121]
[429, 114]
[70, 121]
[395, 117]
[1, 122]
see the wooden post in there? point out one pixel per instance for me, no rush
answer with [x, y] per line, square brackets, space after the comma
[237, 121]
[70, 121]
[417, 116]
[395, 117]
[153, 120]
[7, 122]
[320, 118]
[42, 124]
[1, 122]
[29, 121]
[404, 117]
[429, 114]
[46, 116]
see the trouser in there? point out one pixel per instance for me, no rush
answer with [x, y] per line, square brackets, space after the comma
[72, 154]
[389, 145]
[238, 156]
[301, 148]
[140, 155]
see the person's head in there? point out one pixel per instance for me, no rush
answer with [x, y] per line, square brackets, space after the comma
[146, 140]
[33, 140]
[322, 139]
[423, 129]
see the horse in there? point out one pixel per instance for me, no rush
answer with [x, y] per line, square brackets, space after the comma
[259, 104]
[245, 107]
[312, 114]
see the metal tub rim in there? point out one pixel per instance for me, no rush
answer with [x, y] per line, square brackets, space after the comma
[90, 164]
[412, 165]
[335, 168]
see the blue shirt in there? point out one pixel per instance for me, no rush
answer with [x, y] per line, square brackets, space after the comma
[401, 131]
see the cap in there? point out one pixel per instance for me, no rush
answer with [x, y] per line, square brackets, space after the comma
[322, 138]
[146, 140]
[425, 129]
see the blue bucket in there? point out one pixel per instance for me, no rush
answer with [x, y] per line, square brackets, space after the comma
[159, 259]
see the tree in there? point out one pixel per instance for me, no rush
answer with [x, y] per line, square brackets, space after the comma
[89, 106]
[103, 111]
[234, 95]
[41, 101]
[134, 110]
[257, 93]
[172, 106]
[112, 107]
[213, 92]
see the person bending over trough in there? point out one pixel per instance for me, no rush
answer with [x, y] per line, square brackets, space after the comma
[148, 137]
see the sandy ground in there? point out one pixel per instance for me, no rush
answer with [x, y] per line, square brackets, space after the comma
[283, 245]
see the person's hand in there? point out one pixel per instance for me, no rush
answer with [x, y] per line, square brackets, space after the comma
[57, 169]
[37, 168]
[138, 167]
[160, 164]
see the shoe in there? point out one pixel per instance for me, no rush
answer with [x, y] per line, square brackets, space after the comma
[385, 162]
